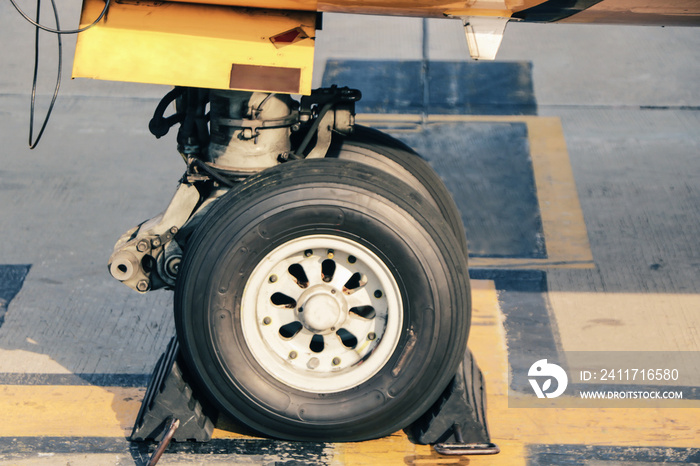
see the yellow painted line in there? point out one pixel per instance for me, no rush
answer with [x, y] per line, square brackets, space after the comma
[68, 411]
[563, 225]
[665, 427]
[562, 219]
[88, 411]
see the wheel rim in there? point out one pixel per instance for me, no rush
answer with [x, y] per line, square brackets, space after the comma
[321, 313]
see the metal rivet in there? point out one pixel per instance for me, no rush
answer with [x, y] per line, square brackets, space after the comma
[336, 361]
[273, 278]
[308, 253]
[371, 336]
[292, 355]
[378, 294]
[267, 321]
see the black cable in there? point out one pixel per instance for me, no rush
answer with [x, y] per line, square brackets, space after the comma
[213, 173]
[58, 29]
[32, 145]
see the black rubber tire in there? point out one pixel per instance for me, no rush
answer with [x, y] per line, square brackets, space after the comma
[372, 147]
[346, 200]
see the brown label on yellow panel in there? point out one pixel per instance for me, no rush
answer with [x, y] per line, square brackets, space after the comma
[289, 37]
[265, 78]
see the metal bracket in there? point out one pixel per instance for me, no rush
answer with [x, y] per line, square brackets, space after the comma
[484, 35]
[337, 113]
[323, 127]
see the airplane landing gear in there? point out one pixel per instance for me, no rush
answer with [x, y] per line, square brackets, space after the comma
[319, 268]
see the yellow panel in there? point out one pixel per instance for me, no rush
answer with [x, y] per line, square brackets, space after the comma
[205, 46]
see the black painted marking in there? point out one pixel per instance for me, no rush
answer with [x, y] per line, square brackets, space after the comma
[528, 324]
[11, 280]
[99, 380]
[488, 170]
[575, 455]
[454, 88]
[554, 10]
[266, 450]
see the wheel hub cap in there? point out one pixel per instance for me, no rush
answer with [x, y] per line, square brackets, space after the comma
[320, 311]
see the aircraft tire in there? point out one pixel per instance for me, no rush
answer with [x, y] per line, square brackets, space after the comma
[323, 300]
[373, 147]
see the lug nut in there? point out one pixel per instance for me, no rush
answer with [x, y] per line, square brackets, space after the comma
[142, 286]
[142, 246]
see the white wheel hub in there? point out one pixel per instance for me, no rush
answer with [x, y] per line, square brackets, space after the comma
[322, 313]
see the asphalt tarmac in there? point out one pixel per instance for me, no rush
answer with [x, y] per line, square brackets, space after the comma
[573, 159]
